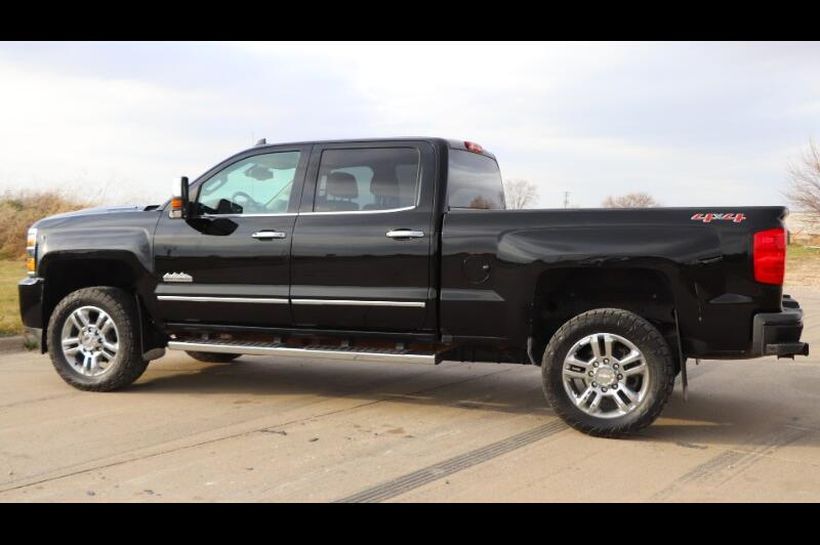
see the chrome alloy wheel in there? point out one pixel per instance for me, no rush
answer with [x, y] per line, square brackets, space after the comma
[90, 341]
[605, 375]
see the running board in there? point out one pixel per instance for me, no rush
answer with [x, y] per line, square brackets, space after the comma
[348, 353]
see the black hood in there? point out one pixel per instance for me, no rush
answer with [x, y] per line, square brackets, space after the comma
[97, 211]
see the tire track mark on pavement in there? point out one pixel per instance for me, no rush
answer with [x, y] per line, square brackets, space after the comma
[415, 479]
[731, 463]
[151, 451]
[39, 399]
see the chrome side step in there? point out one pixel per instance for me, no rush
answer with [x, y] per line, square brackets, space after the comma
[347, 353]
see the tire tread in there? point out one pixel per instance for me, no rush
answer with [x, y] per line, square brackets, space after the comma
[646, 334]
[116, 302]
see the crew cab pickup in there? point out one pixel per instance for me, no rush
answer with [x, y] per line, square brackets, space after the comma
[402, 250]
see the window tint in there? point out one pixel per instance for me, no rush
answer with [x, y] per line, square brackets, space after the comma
[474, 181]
[257, 185]
[367, 179]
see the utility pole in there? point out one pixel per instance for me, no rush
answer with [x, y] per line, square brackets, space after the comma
[566, 199]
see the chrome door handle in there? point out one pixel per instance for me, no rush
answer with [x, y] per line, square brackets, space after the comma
[404, 233]
[269, 235]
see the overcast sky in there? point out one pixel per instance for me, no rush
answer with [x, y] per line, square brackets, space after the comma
[690, 123]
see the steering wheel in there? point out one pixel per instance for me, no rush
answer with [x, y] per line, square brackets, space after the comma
[245, 197]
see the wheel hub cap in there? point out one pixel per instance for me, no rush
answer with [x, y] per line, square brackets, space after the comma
[91, 338]
[90, 341]
[605, 375]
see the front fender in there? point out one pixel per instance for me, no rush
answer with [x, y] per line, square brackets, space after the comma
[129, 244]
[115, 249]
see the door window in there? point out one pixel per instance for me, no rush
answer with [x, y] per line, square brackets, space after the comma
[260, 184]
[357, 180]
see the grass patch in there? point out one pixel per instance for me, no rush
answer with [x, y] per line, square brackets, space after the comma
[797, 253]
[802, 265]
[18, 210]
[11, 272]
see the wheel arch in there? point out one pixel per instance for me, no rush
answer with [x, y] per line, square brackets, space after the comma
[562, 293]
[67, 271]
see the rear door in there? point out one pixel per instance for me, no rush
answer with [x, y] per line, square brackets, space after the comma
[363, 238]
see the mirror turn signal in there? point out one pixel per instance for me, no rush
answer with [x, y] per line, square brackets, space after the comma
[179, 201]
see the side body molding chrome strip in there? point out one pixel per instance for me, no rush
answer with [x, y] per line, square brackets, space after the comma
[359, 303]
[199, 299]
[283, 301]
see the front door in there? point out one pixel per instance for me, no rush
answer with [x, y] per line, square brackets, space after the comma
[230, 262]
[363, 239]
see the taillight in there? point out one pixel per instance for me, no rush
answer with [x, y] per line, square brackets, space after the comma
[769, 255]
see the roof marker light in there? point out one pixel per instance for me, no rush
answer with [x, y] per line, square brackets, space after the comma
[472, 146]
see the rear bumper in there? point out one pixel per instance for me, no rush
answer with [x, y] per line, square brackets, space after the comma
[31, 302]
[778, 333]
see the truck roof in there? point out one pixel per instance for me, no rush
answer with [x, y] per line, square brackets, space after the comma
[449, 142]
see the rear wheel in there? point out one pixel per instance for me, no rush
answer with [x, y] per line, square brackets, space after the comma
[608, 372]
[212, 357]
[94, 339]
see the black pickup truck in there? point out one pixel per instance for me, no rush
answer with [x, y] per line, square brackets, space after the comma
[402, 250]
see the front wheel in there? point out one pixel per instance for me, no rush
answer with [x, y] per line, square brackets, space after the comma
[94, 339]
[608, 372]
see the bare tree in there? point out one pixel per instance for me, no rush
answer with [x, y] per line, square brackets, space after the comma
[630, 200]
[804, 181]
[520, 193]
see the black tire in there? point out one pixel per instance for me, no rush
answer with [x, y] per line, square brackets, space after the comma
[657, 357]
[127, 365]
[212, 357]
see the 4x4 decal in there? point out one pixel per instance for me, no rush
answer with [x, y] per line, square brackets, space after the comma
[735, 217]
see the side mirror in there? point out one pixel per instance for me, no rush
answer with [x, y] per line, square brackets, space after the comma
[179, 201]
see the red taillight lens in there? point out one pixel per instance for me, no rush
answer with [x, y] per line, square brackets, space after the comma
[769, 255]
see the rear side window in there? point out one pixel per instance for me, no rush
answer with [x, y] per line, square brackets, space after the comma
[474, 181]
[357, 180]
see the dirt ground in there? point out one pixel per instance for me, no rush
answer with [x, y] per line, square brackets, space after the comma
[805, 272]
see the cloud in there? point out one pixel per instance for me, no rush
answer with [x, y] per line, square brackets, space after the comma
[60, 129]
[692, 123]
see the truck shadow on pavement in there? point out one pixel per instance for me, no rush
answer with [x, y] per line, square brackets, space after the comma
[706, 419]
[512, 389]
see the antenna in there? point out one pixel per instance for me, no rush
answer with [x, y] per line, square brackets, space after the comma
[566, 199]
[261, 142]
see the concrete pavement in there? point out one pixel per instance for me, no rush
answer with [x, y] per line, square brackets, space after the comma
[267, 429]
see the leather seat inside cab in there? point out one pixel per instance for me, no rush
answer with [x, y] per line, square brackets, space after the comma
[341, 189]
[386, 193]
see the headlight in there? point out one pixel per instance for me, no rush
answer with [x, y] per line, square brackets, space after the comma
[31, 252]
